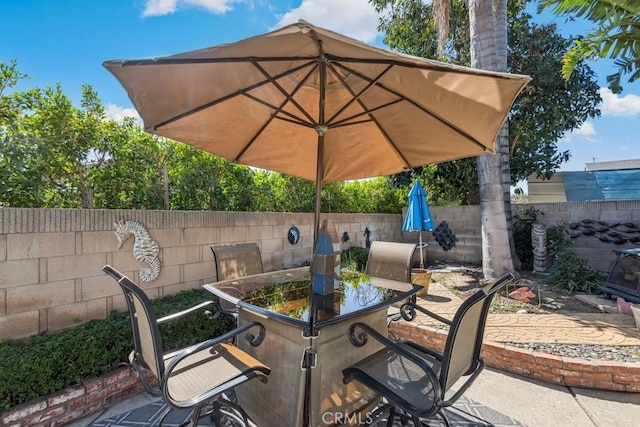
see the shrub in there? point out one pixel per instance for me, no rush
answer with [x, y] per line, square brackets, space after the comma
[568, 271]
[354, 258]
[47, 363]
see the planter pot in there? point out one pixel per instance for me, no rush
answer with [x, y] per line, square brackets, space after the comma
[422, 277]
[635, 309]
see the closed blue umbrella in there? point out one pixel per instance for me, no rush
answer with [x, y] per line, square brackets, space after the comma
[418, 216]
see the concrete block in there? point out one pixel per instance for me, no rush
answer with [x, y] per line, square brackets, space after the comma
[99, 242]
[40, 245]
[98, 287]
[75, 266]
[19, 273]
[174, 289]
[3, 302]
[261, 232]
[234, 234]
[69, 315]
[19, 325]
[124, 260]
[615, 215]
[202, 236]
[34, 297]
[277, 261]
[169, 275]
[168, 237]
[199, 271]
[178, 255]
[3, 247]
[273, 245]
[118, 303]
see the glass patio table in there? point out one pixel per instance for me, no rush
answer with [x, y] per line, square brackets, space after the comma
[307, 343]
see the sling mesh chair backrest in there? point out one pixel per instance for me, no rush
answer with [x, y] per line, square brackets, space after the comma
[390, 260]
[194, 376]
[418, 380]
[237, 260]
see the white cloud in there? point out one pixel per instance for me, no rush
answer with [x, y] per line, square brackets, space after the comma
[167, 7]
[622, 106]
[354, 18]
[118, 113]
[586, 131]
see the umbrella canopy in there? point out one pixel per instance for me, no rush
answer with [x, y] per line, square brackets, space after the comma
[418, 216]
[308, 102]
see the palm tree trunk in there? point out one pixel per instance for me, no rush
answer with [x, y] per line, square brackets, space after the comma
[503, 143]
[496, 250]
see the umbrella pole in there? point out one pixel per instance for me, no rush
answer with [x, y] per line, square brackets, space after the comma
[316, 218]
[421, 258]
[321, 128]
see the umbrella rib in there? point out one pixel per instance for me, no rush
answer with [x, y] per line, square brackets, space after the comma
[293, 119]
[229, 96]
[276, 110]
[420, 107]
[355, 97]
[347, 120]
[368, 112]
[288, 96]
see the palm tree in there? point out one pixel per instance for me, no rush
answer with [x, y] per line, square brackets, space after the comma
[617, 35]
[488, 33]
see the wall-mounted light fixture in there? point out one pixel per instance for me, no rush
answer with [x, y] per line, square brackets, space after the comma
[293, 236]
[345, 237]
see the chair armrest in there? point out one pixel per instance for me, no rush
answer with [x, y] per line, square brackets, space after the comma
[429, 313]
[358, 340]
[252, 339]
[184, 312]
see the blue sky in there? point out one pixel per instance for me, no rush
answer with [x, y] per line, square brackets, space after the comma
[66, 41]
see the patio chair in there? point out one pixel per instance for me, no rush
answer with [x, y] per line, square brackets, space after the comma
[195, 376]
[389, 264]
[235, 261]
[416, 382]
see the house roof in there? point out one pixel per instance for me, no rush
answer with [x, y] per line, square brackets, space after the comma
[617, 164]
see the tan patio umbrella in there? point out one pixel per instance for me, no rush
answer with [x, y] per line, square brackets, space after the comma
[309, 102]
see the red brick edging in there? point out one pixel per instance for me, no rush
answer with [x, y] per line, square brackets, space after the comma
[73, 403]
[596, 374]
[94, 394]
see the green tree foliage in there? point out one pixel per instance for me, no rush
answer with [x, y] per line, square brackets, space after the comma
[54, 154]
[130, 175]
[201, 181]
[617, 35]
[547, 108]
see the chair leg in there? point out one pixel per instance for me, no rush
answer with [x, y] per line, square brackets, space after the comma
[195, 416]
[236, 407]
[392, 416]
[445, 418]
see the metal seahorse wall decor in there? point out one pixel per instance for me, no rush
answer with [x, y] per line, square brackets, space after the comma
[145, 249]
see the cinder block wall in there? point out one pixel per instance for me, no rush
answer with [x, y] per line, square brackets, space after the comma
[598, 255]
[51, 259]
[464, 221]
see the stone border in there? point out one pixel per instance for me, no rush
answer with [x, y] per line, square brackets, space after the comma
[94, 394]
[76, 402]
[567, 371]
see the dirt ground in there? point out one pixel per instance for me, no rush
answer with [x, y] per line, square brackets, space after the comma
[465, 279]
